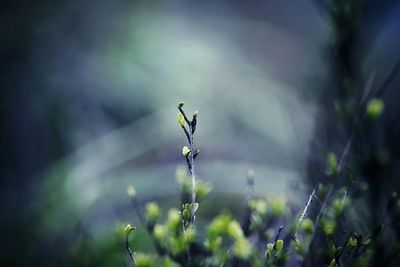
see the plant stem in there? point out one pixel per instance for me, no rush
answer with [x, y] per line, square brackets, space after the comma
[128, 248]
[191, 170]
[303, 214]
[190, 158]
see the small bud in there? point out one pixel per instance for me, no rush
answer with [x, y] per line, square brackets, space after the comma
[160, 231]
[375, 108]
[279, 244]
[143, 259]
[213, 244]
[352, 243]
[196, 153]
[185, 151]
[242, 248]
[180, 104]
[331, 164]
[333, 263]
[298, 248]
[181, 119]
[307, 226]
[131, 191]
[173, 219]
[152, 211]
[196, 206]
[329, 227]
[188, 206]
[219, 225]
[261, 207]
[128, 229]
[268, 252]
[187, 210]
[189, 236]
[186, 214]
[278, 205]
[235, 230]
[337, 207]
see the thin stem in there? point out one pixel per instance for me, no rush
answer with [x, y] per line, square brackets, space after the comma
[128, 248]
[138, 208]
[191, 169]
[192, 154]
[303, 214]
[278, 234]
[186, 132]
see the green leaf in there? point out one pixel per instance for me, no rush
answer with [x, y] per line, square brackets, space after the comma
[181, 120]
[152, 211]
[331, 164]
[375, 108]
[352, 243]
[128, 229]
[333, 263]
[279, 245]
[185, 151]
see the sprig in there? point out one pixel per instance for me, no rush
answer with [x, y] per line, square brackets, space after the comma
[189, 152]
[127, 230]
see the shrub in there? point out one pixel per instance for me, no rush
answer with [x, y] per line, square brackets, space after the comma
[271, 233]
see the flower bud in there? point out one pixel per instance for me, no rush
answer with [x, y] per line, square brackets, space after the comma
[181, 119]
[375, 108]
[331, 164]
[131, 191]
[152, 211]
[235, 230]
[185, 151]
[333, 263]
[307, 226]
[128, 229]
[242, 248]
[352, 242]
[279, 245]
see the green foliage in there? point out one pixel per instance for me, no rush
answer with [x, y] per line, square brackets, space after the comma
[153, 212]
[375, 108]
[307, 226]
[224, 241]
[128, 229]
[331, 164]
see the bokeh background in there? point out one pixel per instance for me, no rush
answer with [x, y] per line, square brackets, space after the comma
[88, 105]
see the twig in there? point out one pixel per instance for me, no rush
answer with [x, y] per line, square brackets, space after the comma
[128, 248]
[192, 153]
[303, 214]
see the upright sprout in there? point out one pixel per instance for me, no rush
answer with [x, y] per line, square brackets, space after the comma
[127, 230]
[190, 153]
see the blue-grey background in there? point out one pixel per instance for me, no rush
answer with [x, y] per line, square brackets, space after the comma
[88, 105]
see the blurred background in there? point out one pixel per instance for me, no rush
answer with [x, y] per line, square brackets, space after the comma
[88, 106]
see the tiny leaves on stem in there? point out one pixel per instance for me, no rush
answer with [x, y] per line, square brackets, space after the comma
[189, 152]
